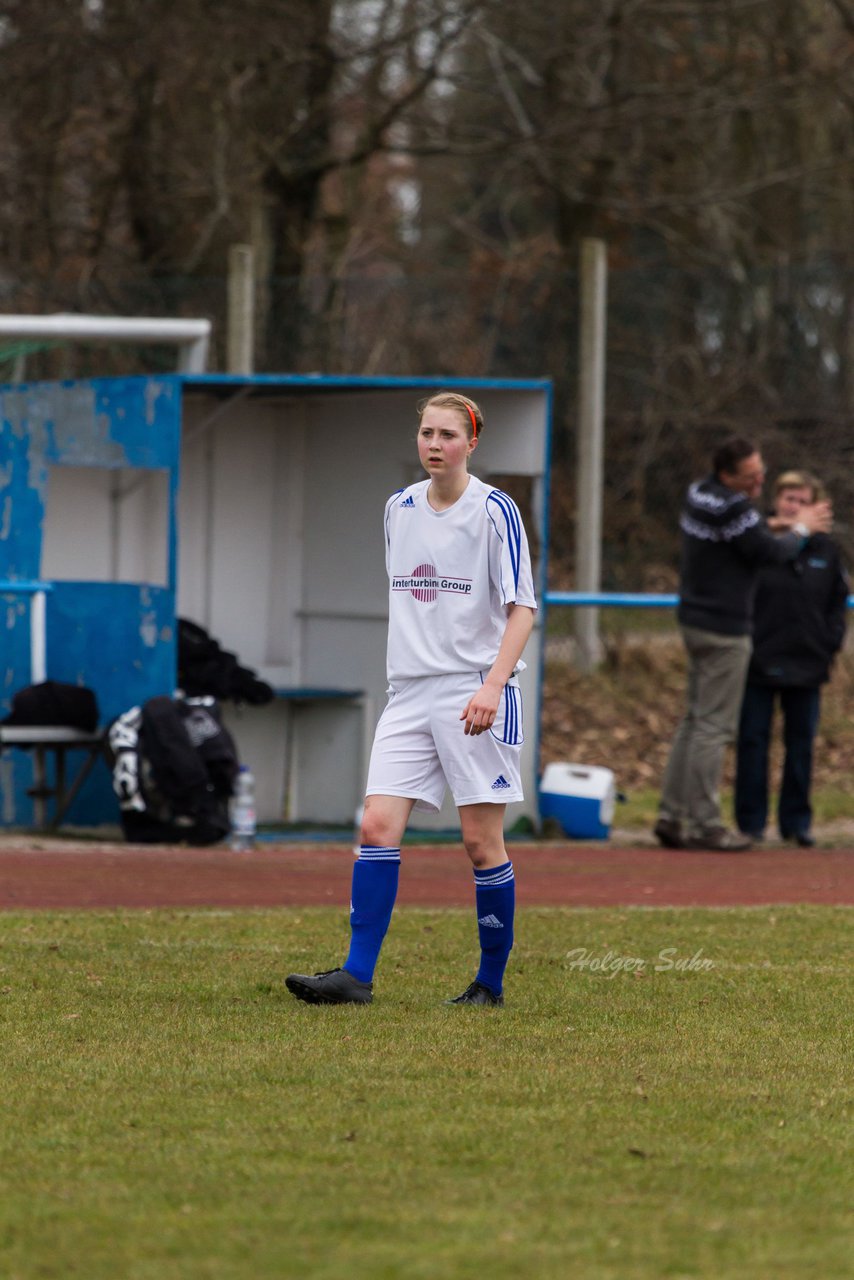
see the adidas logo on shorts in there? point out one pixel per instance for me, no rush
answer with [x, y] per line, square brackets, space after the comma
[501, 783]
[491, 922]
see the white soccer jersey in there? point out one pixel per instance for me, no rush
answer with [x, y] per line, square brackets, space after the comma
[451, 575]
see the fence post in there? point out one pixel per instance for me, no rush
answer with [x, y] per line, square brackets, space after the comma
[38, 638]
[240, 354]
[590, 452]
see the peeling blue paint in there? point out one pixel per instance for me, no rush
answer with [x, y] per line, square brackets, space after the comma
[116, 638]
[15, 645]
[148, 630]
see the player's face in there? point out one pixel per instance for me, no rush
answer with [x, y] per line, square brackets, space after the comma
[443, 442]
[788, 502]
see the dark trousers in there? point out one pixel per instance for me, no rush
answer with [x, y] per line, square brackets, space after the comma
[800, 709]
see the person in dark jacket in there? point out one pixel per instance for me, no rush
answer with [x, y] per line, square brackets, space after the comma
[725, 543]
[798, 628]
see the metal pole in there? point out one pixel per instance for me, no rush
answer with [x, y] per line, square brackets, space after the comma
[590, 458]
[38, 638]
[191, 336]
[240, 356]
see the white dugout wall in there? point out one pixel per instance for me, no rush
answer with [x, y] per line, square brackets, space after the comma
[280, 556]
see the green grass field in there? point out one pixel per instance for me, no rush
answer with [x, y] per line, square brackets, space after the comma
[169, 1111]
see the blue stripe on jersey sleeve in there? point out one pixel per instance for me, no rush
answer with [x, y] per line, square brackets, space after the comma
[513, 525]
[512, 511]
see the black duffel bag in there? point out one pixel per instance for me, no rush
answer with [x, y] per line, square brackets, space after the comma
[53, 703]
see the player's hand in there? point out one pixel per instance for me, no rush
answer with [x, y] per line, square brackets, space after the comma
[481, 710]
[818, 517]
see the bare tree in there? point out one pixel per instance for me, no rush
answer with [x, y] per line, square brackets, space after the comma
[416, 176]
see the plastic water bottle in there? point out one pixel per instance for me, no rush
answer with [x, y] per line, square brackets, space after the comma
[243, 812]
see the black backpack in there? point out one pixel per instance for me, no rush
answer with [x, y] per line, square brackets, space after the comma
[174, 766]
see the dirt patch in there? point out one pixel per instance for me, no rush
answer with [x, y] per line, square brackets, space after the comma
[625, 714]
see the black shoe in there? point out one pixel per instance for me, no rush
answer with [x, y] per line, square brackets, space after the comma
[805, 840]
[477, 993]
[720, 840]
[668, 832]
[335, 986]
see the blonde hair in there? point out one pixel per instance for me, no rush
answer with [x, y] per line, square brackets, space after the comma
[800, 480]
[471, 413]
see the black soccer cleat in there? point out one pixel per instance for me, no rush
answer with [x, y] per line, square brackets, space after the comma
[477, 993]
[334, 986]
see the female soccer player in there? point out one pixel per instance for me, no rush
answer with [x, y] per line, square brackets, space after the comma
[461, 608]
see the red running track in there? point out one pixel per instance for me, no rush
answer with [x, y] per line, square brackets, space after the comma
[62, 875]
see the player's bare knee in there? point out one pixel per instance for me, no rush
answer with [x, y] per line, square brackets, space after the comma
[483, 852]
[378, 826]
[374, 831]
[478, 859]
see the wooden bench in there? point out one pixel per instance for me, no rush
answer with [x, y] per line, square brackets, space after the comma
[58, 739]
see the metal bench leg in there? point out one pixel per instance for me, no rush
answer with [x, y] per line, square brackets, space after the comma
[59, 789]
[64, 800]
[40, 788]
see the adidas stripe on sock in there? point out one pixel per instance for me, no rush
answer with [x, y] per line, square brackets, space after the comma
[375, 876]
[495, 899]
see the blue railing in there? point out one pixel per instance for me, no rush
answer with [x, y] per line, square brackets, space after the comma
[626, 599]
[22, 588]
[621, 599]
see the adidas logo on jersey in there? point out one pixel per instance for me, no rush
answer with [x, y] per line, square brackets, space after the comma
[491, 922]
[501, 783]
[407, 502]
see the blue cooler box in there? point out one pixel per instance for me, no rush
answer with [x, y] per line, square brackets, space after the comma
[580, 797]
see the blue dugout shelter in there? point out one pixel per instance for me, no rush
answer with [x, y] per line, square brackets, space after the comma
[251, 505]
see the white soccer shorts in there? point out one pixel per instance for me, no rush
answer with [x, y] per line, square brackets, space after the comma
[421, 746]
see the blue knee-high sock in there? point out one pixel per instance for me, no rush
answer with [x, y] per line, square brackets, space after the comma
[495, 898]
[375, 876]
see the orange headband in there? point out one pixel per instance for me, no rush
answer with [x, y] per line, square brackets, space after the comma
[473, 420]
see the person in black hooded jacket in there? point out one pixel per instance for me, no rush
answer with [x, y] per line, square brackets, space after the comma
[798, 628]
